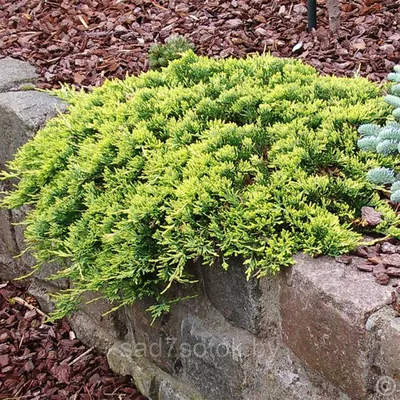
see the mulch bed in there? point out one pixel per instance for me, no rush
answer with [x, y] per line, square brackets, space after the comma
[85, 41]
[46, 362]
[381, 259]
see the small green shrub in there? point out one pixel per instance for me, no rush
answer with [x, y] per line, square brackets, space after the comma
[160, 55]
[207, 159]
[385, 140]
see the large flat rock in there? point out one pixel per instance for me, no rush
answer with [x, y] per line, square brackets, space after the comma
[14, 73]
[33, 108]
[21, 115]
[324, 307]
[386, 329]
[235, 297]
[149, 379]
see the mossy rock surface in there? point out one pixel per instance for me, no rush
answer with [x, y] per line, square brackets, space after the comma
[254, 158]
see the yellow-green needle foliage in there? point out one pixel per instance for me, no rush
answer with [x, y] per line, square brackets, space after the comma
[205, 159]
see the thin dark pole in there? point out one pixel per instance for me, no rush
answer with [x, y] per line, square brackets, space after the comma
[312, 14]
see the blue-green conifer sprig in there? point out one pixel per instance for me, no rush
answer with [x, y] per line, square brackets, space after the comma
[394, 77]
[389, 132]
[369, 129]
[368, 143]
[395, 186]
[381, 176]
[395, 196]
[385, 140]
[396, 90]
[387, 147]
[396, 113]
[393, 100]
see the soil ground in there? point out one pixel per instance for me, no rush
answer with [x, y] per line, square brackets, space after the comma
[40, 361]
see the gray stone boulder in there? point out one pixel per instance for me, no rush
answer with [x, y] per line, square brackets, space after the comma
[149, 379]
[15, 73]
[21, 115]
[324, 309]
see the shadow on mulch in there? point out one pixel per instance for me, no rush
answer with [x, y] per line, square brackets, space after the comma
[45, 361]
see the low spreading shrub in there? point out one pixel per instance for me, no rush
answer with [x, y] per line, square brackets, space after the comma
[207, 159]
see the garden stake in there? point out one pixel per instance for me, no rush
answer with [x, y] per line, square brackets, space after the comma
[312, 14]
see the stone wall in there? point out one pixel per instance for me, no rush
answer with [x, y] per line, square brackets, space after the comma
[23, 110]
[319, 330]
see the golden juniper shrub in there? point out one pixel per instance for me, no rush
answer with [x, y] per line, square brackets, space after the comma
[209, 159]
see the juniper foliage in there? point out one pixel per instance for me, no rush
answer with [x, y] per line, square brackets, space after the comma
[208, 159]
[385, 140]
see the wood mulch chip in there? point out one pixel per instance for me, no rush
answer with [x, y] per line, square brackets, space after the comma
[46, 362]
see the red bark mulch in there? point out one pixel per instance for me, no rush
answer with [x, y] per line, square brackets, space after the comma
[40, 361]
[85, 41]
